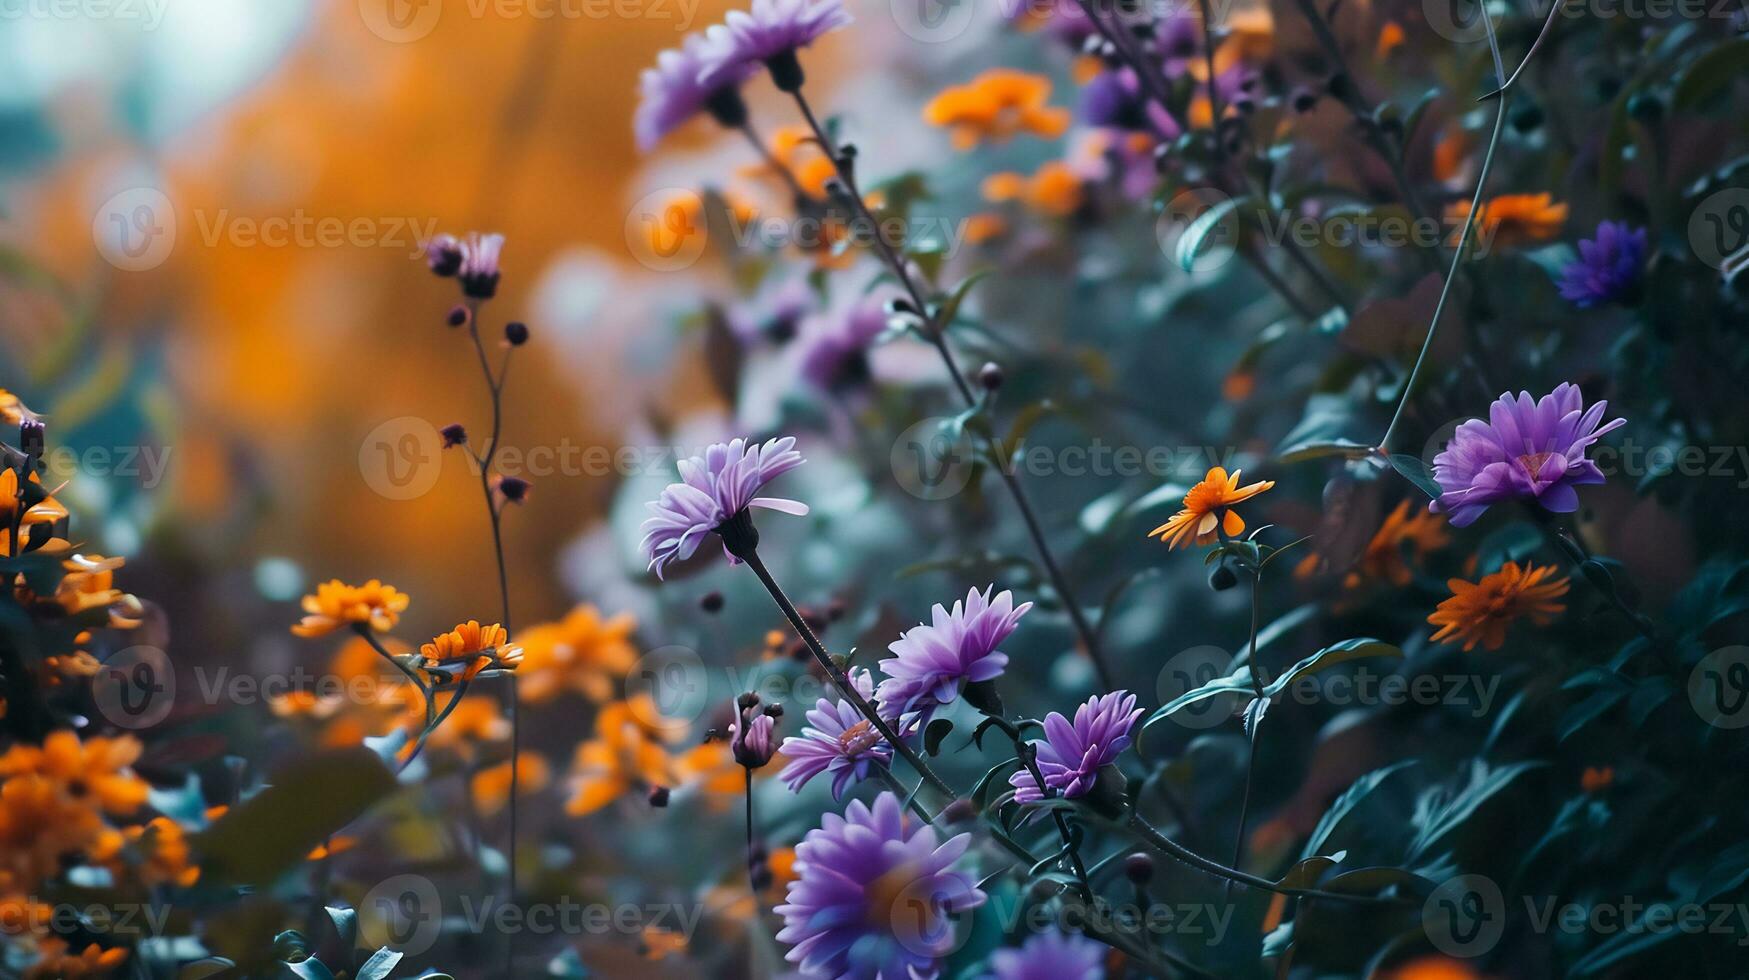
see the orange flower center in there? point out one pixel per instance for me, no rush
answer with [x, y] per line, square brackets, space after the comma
[858, 738]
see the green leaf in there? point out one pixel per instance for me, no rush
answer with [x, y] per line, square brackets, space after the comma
[381, 964]
[938, 729]
[345, 923]
[1323, 449]
[1415, 471]
[950, 307]
[1439, 811]
[1345, 804]
[1710, 74]
[1190, 244]
[1236, 689]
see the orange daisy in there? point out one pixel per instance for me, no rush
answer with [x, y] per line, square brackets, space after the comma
[1208, 512]
[1481, 612]
[96, 772]
[1510, 220]
[1416, 530]
[336, 604]
[997, 105]
[468, 649]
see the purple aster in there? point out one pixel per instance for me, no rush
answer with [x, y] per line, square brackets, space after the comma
[872, 897]
[932, 662]
[1050, 956]
[1608, 267]
[714, 488]
[673, 94]
[837, 739]
[835, 347]
[1071, 754]
[1526, 451]
[768, 33]
[478, 271]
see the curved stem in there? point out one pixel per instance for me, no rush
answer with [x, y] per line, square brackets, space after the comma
[364, 630]
[1178, 852]
[936, 334]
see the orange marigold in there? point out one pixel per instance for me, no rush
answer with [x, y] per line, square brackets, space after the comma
[1481, 612]
[997, 105]
[1208, 510]
[584, 652]
[95, 772]
[336, 604]
[1510, 220]
[468, 649]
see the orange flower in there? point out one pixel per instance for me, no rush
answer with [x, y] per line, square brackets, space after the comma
[335, 845]
[625, 755]
[795, 149]
[95, 772]
[985, 227]
[1055, 190]
[1208, 510]
[1417, 529]
[997, 105]
[468, 649]
[166, 854]
[492, 785]
[56, 961]
[336, 604]
[1434, 968]
[1596, 779]
[1480, 613]
[12, 411]
[90, 584]
[582, 652]
[45, 510]
[475, 722]
[1510, 220]
[1391, 38]
[1451, 157]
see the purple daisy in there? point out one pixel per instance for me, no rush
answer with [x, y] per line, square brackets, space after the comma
[872, 896]
[835, 345]
[1608, 267]
[933, 662]
[478, 271]
[673, 94]
[769, 33]
[715, 488]
[1050, 956]
[1071, 754]
[837, 739]
[1526, 451]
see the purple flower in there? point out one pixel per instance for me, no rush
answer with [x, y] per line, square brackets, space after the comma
[1527, 451]
[753, 736]
[714, 488]
[673, 94]
[933, 662]
[1115, 99]
[835, 347]
[774, 314]
[1050, 956]
[1608, 267]
[769, 33]
[837, 739]
[443, 255]
[479, 266]
[1071, 755]
[872, 899]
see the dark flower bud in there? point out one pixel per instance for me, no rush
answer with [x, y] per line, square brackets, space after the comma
[1222, 577]
[454, 435]
[659, 796]
[712, 602]
[747, 700]
[1339, 86]
[516, 332]
[774, 710]
[458, 316]
[32, 435]
[443, 255]
[1645, 107]
[514, 488]
[1139, 868]
[1244, 106]
[990, 376]
[959, 810]
[1303, 99]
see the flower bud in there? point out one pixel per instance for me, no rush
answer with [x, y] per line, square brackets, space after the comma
[1139, 868]
[453, 435]
[457, 316]
[515, 489]
[516, 333]
[659, 796]
[711, 602]
[990, 376]
[32, 436]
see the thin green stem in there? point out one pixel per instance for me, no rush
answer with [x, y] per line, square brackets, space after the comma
[1256, 727]
[1178, 852]
[364, 630]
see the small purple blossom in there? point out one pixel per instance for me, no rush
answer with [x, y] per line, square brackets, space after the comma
[714, 488]
[768, 33]
[479, 266]
[1526, 451]
[835, 345]
[671, 93]
[1071, 754]
[443, 255]
[1608, 267]
[753, 736]
[1050, 956]
[872, 896]
[933, 662]
[837, 739]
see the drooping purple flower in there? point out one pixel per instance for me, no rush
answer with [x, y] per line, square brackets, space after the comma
[837, 739]
[835, 344]
[1072, 753]
[933, 662]
[753, 736]
[714, 488]
[768, 33]
[671, 93]
[1608, 267]
[873, 896]
[1050, 956]
[479, 266]
[1526, 451]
